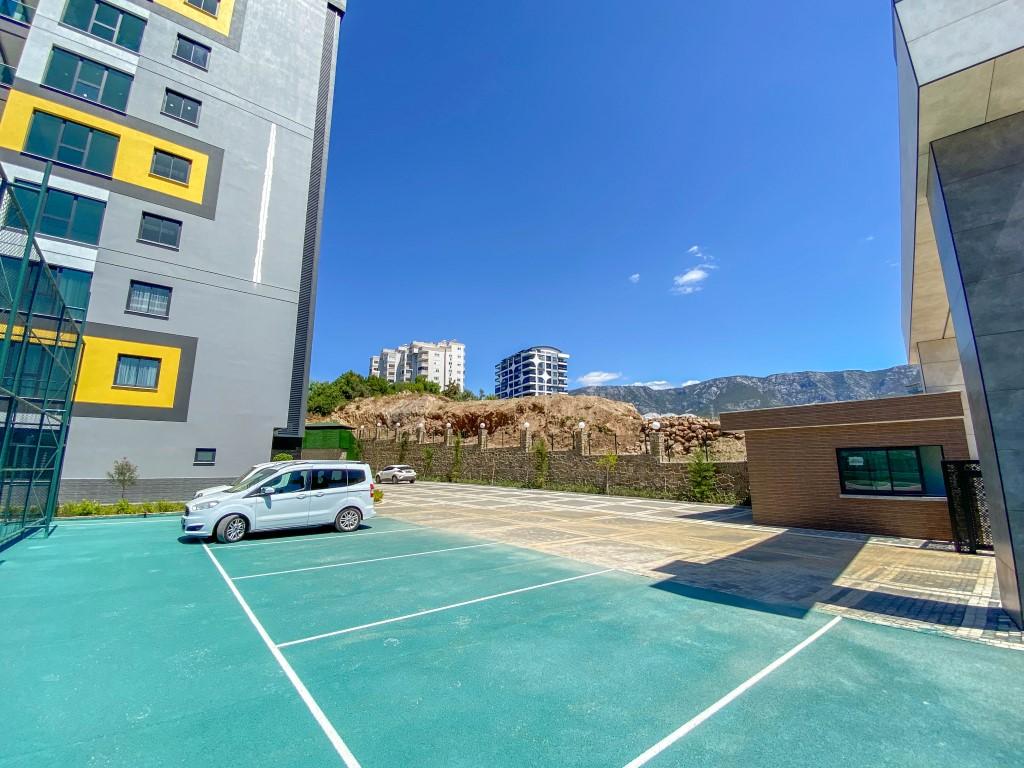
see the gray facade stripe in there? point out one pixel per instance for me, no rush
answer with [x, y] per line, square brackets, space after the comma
[207, 209]
[311, 239]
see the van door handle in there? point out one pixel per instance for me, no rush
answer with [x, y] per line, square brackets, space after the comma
[301, 496]
[319, 493]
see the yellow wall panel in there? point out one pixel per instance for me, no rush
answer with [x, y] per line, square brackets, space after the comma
[134, 151]
[219, 23]
[99, 363]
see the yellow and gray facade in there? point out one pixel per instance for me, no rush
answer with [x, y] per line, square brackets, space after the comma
[960, 68]
[188, 142]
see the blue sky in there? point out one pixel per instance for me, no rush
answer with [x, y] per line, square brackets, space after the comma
[668, 190]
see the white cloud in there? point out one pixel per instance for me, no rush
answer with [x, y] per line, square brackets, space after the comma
[597, 378]
[688, 382]
[634, 278]
[869, 238]
[693, 250]
[659, 384]
[692, 279]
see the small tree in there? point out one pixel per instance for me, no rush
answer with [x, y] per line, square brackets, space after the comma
[124, 474]
[455, 471]
[403, 447]
[541, 463]
[702, 474]
[428, 461]
[608, 463]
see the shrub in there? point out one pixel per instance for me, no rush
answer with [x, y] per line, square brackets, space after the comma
[455, 471]
[378, 495]
[541, 463]
[608, 463]
[80, 508]
[403, 447]
[702, 475]
[88, 507]
[282, 456]
[124, 474]
[428, 461]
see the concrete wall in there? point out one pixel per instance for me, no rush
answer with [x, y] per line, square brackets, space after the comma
[976, 195]
[565, 467]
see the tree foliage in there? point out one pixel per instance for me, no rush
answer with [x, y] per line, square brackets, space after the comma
[124, 474]
[325, 397]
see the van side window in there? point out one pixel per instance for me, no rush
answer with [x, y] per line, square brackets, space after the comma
[355, 476]
[324, 479]
[290, 482]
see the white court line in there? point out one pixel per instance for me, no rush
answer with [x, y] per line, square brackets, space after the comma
[307, 698]
[308, 539]
[363, 562]
[731, 696]
[438, 610]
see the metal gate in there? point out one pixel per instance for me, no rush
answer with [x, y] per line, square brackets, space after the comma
[968, 507]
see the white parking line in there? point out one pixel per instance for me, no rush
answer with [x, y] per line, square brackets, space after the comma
[731, 696]
[307, 698]
[320, 539]
[407, 616]
[363, 562]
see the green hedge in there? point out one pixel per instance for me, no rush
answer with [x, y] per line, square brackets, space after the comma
[87, 507]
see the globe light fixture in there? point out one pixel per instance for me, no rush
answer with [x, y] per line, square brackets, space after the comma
[582, 425]
[656, 425]
[526, 425]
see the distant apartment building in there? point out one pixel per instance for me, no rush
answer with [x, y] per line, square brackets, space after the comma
[532, 372]
[443, 362]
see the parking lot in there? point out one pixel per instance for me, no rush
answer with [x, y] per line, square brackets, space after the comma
[409, 643]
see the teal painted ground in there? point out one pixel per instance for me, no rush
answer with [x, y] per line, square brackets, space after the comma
[123, 646]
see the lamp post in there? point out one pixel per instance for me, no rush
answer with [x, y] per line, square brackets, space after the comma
[524, 436]
[657, 444]
[448, 433]
[577, 438]
[482, 433]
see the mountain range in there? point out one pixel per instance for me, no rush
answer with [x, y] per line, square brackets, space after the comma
[743, 393]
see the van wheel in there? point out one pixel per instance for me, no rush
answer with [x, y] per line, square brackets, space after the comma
[231, 529]
[348, 520]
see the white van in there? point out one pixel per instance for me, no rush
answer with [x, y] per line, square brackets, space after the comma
[293, 495]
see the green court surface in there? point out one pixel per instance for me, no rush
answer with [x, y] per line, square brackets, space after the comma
[400, 646]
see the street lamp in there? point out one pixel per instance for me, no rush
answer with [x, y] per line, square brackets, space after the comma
[656, 425]
[526, 425]
[582, 425]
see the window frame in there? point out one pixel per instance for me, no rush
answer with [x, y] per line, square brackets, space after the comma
[42, 199]
[184, 97]
[59, 142]
[117, 30]
[197, 462]
[128, 302]
[117, 366]
[888, 462]
[147, 241]
[197, 4]
[188, 167]
[75, 77]
[195, 44]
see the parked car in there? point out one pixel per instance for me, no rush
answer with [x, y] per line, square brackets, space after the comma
[244, 476]
[397, 473]
[299, 494]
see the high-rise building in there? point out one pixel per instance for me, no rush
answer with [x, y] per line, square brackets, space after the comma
[960, 69]
[443, 362]
[188, 141]
[531, 372]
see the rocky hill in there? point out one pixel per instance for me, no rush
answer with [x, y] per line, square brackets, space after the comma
[741, 393]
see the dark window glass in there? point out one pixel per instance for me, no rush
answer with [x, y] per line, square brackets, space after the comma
[205, 456]
[289, 482]
[355, 476]
[193, 52]
[210, 6]
[182, 107]
[141, 372]
[87, 79]
[147, 299]
[896, 471]
[105, 22]
[71, 143]
[157, 229]
[328, 478]
[64, 215]
[171, 166]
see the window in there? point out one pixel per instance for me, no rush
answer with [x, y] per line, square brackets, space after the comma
[147, 299]
[289, 482]
[355, 476]
[160, 230]
[210, 6]
[912, 471]
[65, 214]
[71, 143]
[324, 479]
[87, 79]
[205, 456]
[192, 52]
[138, 372]
[71, 288]
[170, 166]
[181, 107]
[105, 22]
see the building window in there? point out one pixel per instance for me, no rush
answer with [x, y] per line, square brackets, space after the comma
[137, 372]
[87, 79]
[170, 166]
[209, 6]
[160, 230]
[105, 22]
[181, 107]
[148, 299]
[205, 456]
[192, 52]
[65, 214]
[904, 471]
[71, 143]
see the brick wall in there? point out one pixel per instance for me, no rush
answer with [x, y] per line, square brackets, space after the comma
[146, 489]
[497, 465]
[794, 478]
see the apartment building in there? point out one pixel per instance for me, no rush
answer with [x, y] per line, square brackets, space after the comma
[443, 362]
[960, 70]
[188, 141]
[531, 372]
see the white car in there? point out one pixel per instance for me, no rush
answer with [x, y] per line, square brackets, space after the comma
[300, 494]
[397, 473]
[244, 476]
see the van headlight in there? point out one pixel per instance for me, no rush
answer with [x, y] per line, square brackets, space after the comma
[204, 505]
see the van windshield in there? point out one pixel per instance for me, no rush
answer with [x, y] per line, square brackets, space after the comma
[252, 479]
[241, 478]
